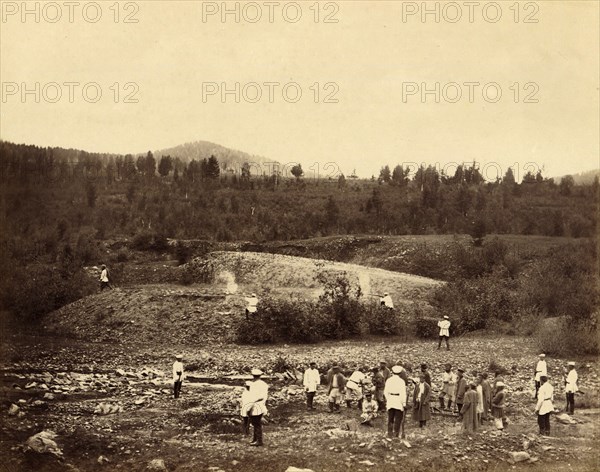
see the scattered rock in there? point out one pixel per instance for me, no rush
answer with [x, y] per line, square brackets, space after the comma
[13, 410]
[48, 396]
[103, 460]
[43, 443]
[107, 409]
[157, 464]
[367, 463]
[296, 469]
[519, 456]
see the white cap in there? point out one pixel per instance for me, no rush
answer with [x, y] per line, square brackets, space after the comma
[571, 363]
[254, 294]
[178, 356]
[256, 372]
[500, 384]
[386, 293]
[396, 369]
[542, 355]
[446, 316]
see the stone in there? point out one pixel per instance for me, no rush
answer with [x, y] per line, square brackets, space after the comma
[13, 410]
[103, 460]
[157, 464]
[43, 443]
[48, 396]
[519, 456]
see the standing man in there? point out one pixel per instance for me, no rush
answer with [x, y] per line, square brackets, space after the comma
[480, 400]
[244, 407]
[468, 410]
[448, 384]
[251, 305]
[386, 301]
[395, 397]
[444, 326]
[177, 375]
[571, 388]
[354, 387]
[259, 392]
[336, 387]
[385, 372]
[544, 405]
[379, 384]
[498, 403]
[421, 396]
[104, 283]
[487, 394]
[540, 369]
[461, 389]
[312, 379]
[425, 372]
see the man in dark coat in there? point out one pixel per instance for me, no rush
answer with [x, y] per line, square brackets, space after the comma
[421, 397]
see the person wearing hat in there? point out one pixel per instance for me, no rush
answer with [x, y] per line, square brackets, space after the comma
[461, 389]
[336, 388]
[487, 394]
[448, 384]
[251, 305]
[104, 283]
[444, 326]
[177, 375]
[498, 403]
[386, 301]
[259, 392]
[395, 397]
[354, 387]
[385, 371]
[544, 405]
[311, 381]
[541, 368]
[369, 409]
[421, 396]
[244, 407]
[468, 411]
[571, 387]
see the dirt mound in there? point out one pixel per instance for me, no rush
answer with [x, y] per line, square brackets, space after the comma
[150, 313]
[274, 271]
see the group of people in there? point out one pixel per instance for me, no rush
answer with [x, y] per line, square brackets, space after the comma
[388, 389]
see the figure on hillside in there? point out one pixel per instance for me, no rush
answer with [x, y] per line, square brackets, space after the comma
[544, 405]
[444, 326]
[259, 392]
[251, 305]
[369, 410]
[354, 387]
[244, 407]
[395, 397]
[469, 409]
[104, 282]
[448, 385]
[312, 379]
[336, 388]
[571, 387]
[177, 375]
[487, 395]
[541, 368]
[498, 403]
[461, 389]
[386, 301]
[421, 397]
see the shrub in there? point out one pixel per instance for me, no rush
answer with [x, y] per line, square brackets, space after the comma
[565, 337]
[148, 241]
[426, 327]
[183, 253]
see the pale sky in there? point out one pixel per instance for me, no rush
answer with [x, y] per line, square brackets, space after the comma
[371, 55]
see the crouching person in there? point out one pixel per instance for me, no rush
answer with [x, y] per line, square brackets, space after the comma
[369, 410]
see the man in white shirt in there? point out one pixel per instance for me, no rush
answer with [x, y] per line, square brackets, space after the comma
[312, 379]
[244, 407]
[259, 392]
[444, 326]
[251, 305]
[369, 409]
[177, 375]
[540, 369]
[448, 383]
[104, 283]
[571, 388]
[395, 396]
[386, 301]
[354, 386]
[544, 405]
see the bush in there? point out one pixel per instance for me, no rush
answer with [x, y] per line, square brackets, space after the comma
[426, 327]
[147, 241]
[183, 253]
[564, 337]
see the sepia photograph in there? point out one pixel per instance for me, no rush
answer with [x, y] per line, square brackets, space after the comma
[299, 236]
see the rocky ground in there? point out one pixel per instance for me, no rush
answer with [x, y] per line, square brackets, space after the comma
[109, 406]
